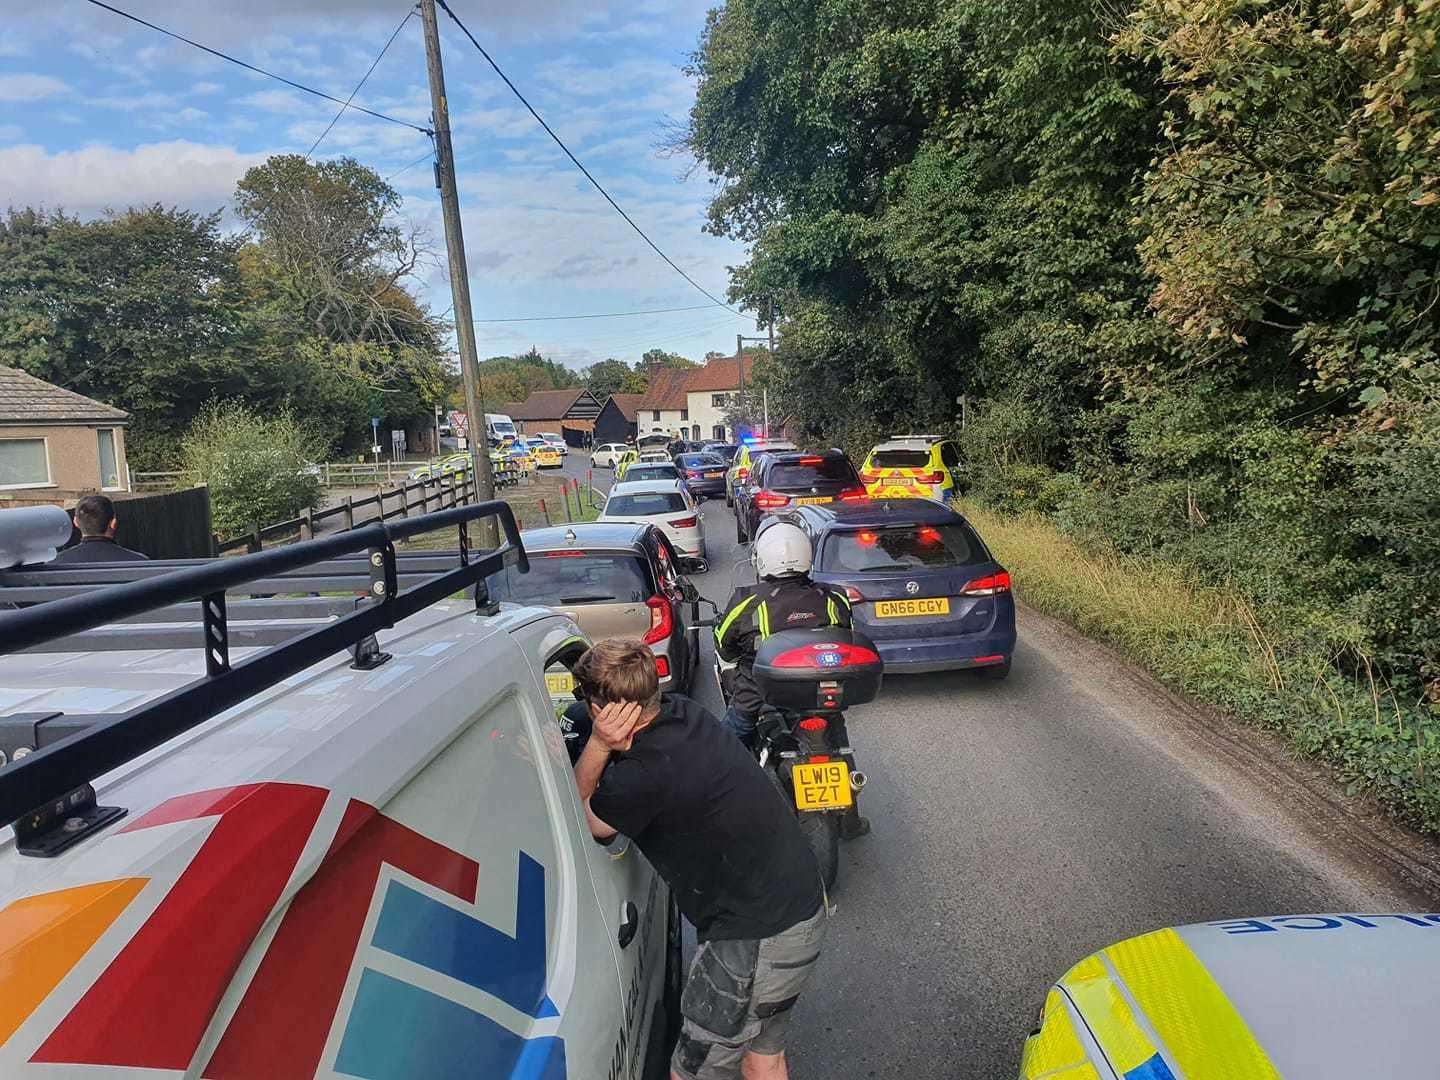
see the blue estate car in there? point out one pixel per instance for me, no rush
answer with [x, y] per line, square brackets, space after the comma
[921, 582]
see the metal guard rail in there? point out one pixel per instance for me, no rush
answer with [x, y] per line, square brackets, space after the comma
[55, 771]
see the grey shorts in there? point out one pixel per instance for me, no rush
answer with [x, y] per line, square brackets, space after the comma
[739, 997]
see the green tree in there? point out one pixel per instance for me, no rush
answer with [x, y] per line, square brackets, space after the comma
[256, 465]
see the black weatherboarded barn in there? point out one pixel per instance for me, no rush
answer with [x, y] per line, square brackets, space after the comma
[616, 421]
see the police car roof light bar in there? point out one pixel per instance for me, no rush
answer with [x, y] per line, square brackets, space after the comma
[56, 770]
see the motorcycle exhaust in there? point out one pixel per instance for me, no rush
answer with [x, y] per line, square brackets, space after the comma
[857, 780]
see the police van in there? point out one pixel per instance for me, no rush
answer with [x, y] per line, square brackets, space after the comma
[308, 812]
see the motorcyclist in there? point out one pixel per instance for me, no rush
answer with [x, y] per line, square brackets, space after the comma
[785, 598]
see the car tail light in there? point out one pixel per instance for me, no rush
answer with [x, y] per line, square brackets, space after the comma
[930, 477]
[866, 538]
[771, 500]
[854, 595]
[826, 655]
[693, 474]
[928, 535]
[813, 723]
[684, 523]
[868, 477]
[854, 495]
[989, 659]
[741, 474]
[662, 620]
[662, 666]
[988, 586]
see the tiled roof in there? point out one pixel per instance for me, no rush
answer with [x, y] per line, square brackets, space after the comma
[720, 374]
[628, 404]
[555, 405]
[668, 387]
[24, 399]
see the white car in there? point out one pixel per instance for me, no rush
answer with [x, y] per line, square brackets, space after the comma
[661, 455]
[360, 852]
[666, 504]
[555, 439]
[607, 455]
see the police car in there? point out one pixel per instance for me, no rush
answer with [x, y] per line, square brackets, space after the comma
[913, 467]
[1313, 997]
[341, 839]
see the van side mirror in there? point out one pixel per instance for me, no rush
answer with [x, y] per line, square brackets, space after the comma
[696, 620]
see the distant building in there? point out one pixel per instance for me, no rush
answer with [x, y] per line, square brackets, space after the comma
[710, 391]
[570, 413]
[617, 419]
[55, 444]
[663, 408]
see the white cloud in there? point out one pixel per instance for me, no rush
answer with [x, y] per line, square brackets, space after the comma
[200, 89]
[135, 102]
[29, 87]
[94, 178]
[11, 133]
[282, 101]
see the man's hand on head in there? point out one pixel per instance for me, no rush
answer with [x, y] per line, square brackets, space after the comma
[615, 724]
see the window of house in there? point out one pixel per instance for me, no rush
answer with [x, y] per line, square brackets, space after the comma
[719, 401]
[654, 414]
[24, 463]
[109, 460]
[684, 414]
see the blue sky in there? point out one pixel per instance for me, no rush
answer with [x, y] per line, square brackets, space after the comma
[98, 112]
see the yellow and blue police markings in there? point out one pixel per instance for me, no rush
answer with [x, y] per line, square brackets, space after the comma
[1155, 1013]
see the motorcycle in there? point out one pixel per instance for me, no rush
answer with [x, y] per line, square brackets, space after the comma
[808, 678]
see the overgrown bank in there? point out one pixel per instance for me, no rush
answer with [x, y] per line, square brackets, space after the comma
[1212, 642]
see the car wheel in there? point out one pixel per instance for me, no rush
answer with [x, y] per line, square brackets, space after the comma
[996, 672]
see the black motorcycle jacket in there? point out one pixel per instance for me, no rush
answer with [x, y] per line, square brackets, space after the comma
[757, 611]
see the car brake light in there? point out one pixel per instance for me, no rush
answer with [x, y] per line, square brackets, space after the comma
[866, 538]
[854, 595]
[813, 723]
[988, 586]
[930, 477]
[563, 554]
[829, 654]
[854, 495]
[693, 474]
[684, 523]
[662, 621]
[741, 474]
[770, 500]
[662, 666]
[811, 460]
[928, 535]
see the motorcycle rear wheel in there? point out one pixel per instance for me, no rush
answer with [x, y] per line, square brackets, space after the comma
[822, 833]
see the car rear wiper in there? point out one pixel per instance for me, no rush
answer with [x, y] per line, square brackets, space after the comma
[886, 566]
[584, 599]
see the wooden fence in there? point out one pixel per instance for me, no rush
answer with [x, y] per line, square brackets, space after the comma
[332, 475]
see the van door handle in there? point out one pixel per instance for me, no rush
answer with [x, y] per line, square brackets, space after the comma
[629, 923]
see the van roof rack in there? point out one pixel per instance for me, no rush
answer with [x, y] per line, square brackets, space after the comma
[47, 791]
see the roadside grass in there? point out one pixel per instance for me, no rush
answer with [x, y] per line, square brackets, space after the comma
[1279, 669]
[525, 501]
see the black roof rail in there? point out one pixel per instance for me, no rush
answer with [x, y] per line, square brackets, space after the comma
[58, 776]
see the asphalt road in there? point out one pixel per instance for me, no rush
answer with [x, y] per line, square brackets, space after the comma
[1019, 826]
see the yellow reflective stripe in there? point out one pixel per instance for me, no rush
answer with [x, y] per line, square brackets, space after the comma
[763, 614]
[830, 611]
[1054, 1052]
[730, 618]
[1108, 1014]
[1200, 1028]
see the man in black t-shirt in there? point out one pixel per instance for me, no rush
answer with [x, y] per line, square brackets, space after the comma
[672, 778]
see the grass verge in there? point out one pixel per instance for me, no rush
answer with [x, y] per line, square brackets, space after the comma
[1269, 668]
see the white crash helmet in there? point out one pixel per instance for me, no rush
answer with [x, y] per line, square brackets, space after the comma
[781, 549]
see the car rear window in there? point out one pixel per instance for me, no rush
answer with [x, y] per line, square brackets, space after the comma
[900, 459]
[901, 548]
[701, 461]
[652, 472]
[574, 577]
[797, 474]
[644, 505]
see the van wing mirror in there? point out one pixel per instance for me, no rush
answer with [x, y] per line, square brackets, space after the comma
[697, 620]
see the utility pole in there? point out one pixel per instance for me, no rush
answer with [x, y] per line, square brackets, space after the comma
[771, 329]
[459, 275]
[740, 340]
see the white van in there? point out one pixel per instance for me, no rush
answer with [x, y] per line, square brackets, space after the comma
[499, 426]
[344, 838]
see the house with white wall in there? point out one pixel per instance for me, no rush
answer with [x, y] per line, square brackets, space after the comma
[709, 393]
[663, 408]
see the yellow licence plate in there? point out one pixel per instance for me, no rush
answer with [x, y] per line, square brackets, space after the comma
[713, 475]
[560, 684]
[896, 609]
[825, 786]
[813, 500]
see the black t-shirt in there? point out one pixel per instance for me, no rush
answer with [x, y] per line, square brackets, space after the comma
[93, 549]
[713, 824]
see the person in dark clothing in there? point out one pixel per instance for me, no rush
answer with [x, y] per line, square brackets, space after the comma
[94, 516]
[784, 599]
[669, 776]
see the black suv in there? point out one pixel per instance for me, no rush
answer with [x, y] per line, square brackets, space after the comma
[782, 479]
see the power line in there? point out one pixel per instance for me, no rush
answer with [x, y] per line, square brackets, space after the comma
[576, 161]
[258, 70]
[406, 168]
[605, 315]
[358, 86]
